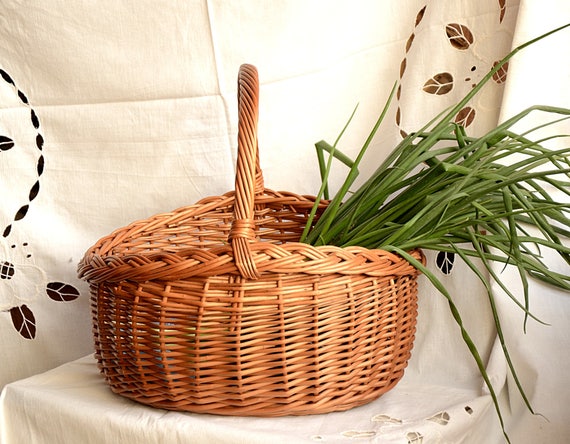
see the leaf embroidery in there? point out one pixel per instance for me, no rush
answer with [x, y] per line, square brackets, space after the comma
[439, 84]
[6, 77]
[24, 321]
[359, 434]
[34, 191]
[403, 65]
[28, 285]
[445, 261]
[6, 270]
[465, 116]
[441, 418]
[404, 62]
[385, 419]
[60, 292]
[410, 41]
[40, 166]
[501, 75]
[502, 8]
[460, 36]
[34, 119]
[420, 15]
[40, 142]
[6, 143]
[21, 213]
[414, 438]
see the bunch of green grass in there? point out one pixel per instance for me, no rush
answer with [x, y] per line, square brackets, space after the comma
[442, 190]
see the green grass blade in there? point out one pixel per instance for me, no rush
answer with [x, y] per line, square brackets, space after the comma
[459, 321]
[498, 326]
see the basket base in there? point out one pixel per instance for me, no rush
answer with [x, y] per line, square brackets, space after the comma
[294, 406]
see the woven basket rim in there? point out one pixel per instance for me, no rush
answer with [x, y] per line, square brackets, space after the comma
[105, 262]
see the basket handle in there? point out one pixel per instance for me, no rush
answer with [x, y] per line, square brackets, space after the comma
[249, 178]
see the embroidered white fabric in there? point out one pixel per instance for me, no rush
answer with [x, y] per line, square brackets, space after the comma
[72, 404]
[113, 111]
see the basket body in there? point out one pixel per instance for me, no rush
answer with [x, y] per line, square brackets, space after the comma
[290, 342]
[178, 326]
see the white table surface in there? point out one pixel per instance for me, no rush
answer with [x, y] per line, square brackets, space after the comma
[73, 404]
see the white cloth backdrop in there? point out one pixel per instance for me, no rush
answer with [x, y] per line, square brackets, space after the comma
[114, 111]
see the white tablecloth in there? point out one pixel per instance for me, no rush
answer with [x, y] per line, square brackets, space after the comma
[122, 110]
[72, 404]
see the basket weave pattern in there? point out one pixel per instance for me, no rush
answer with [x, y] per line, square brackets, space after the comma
[217, 308]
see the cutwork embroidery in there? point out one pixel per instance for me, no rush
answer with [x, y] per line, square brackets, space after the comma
[21, 281]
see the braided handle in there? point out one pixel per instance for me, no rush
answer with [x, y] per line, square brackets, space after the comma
[249, 178]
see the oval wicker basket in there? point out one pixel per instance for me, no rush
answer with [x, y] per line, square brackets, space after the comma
[217, 308]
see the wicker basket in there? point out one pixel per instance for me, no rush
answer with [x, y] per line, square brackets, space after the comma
[216, 307]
